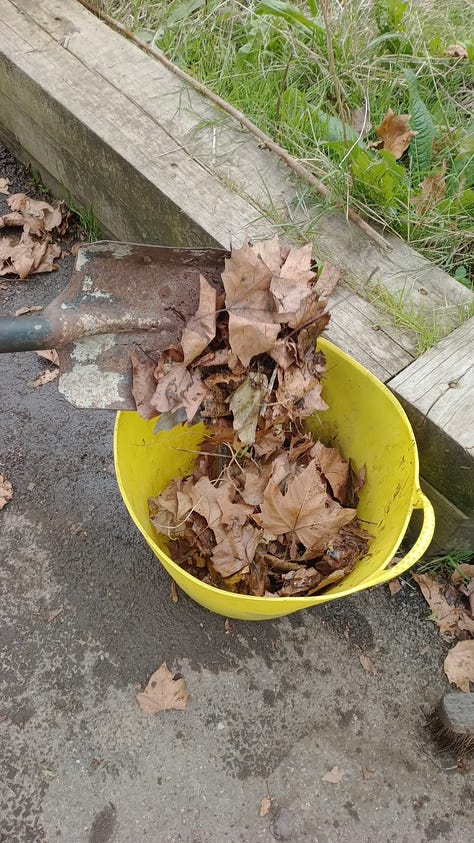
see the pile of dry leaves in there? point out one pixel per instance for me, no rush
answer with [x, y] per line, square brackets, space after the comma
[267, 510]
[34, 250]
[451, 600]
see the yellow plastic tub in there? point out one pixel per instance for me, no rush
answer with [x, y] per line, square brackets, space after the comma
[368, 425]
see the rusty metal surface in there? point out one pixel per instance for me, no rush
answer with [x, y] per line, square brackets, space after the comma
[123, 297]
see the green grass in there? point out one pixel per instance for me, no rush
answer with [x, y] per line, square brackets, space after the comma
[444, 566]
[297, 69]
[86, 220]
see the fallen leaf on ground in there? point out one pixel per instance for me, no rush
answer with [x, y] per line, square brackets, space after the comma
[28, 256]
[49, 354]
[394, 133]
[44, 377]
[333, 776]
[394, 586]
[452, 618]
[459, 664]
[6, 491]
[457, 51]
[49, 615]
[39, 216]
[366, 773]
[174, 592]
[433, 190]
[265, 806]
[34, 309]
[163, 692]
[367, 663]
[34, 251]
[4, 186]
[228, 629]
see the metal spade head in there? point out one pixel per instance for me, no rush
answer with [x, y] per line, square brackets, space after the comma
[121, 297]
[128, 297]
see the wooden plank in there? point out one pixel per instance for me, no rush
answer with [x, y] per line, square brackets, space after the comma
[226, 151]
[437, 391]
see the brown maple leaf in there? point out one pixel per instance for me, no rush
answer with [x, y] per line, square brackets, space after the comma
[253, 325]
[459, 664]
[299, 392]
[306, 510]
[328, 279]
[200, 329]
[394, 133]
[235, 548]
[291, 285]
[451, 618]
[178, 387]
[163, 692]
[334, 468]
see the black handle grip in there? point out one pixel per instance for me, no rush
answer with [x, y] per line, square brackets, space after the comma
[25, 333]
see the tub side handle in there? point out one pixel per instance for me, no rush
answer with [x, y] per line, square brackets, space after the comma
[421, 545]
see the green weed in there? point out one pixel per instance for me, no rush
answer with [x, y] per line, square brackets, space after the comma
[444, 566]
[86, 220]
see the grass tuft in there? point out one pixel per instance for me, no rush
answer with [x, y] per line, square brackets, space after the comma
[302, 71]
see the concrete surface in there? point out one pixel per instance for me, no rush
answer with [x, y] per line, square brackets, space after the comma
[273, 706]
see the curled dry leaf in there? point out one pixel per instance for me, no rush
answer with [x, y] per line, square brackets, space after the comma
[34, 309]
[367, 663]
[4, 186]
[253, 327]
[44, 377]
[163, 692]
[457, 51]
[143, 383]
[34, 252]
[245, 404]
[394, 586]
[459, 664]
[450, 615]
[328, 279]
[201, 328]
[265, 806]
[49, 354]
[6, 491]
[394, 133]
[333, 776]
[28, 256]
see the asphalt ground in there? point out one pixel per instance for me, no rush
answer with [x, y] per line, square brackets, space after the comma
[274, 706]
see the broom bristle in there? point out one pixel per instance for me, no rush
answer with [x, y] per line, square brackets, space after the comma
[447, 733]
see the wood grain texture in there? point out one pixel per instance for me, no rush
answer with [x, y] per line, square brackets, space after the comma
[437, 391]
